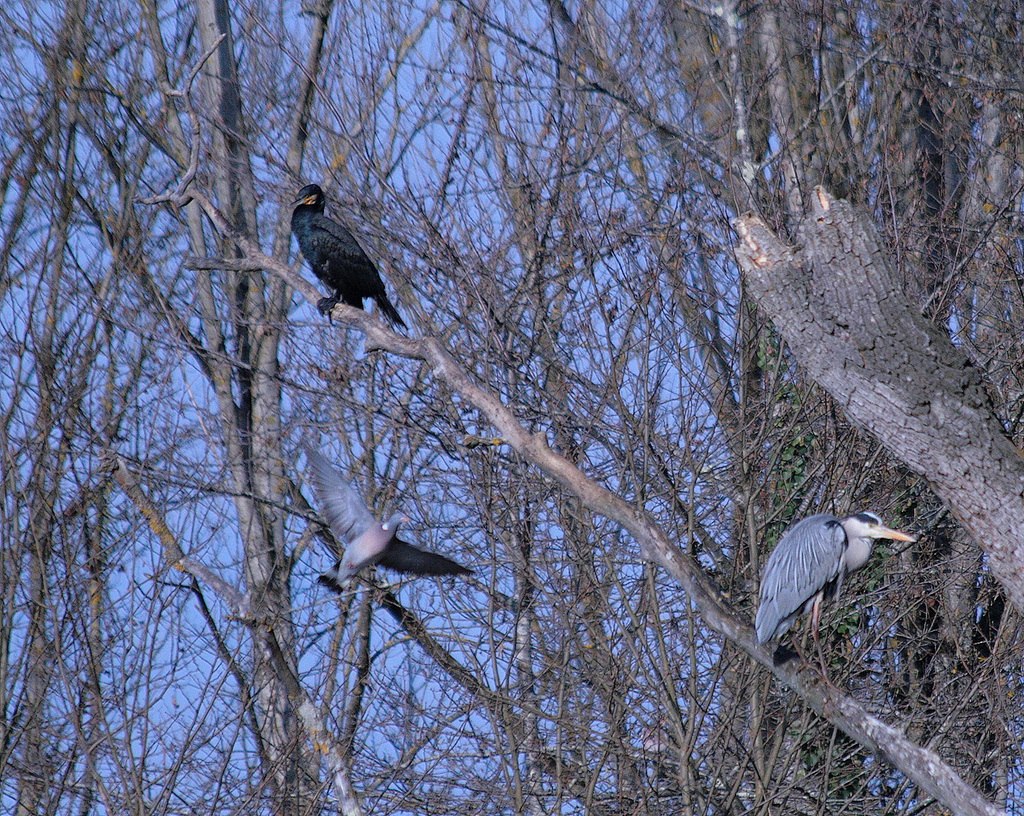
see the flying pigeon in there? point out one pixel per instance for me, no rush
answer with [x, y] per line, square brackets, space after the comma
[367, 541]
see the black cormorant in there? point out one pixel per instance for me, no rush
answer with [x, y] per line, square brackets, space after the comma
[338, 261]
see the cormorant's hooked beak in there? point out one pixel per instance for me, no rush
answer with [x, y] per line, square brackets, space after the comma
[310, 199]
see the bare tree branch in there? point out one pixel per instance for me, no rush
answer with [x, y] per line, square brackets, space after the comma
[176, 557]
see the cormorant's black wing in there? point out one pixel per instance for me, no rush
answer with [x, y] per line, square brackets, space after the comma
[340, 263]
[338, 243]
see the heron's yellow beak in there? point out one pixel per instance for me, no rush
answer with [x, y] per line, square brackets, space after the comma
[888, 532]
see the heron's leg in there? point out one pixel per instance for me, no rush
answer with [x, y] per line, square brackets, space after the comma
[815, 621]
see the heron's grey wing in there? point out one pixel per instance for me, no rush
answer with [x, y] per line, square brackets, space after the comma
[341, 506]
[809, 555]
[404, 557]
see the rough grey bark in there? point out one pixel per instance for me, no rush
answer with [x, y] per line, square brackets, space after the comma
[836, 302]
[246, 383]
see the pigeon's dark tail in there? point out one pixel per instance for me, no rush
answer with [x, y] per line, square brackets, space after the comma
[390, 312]
[403, 557]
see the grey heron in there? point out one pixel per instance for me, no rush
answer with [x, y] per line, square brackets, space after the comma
[810, 563]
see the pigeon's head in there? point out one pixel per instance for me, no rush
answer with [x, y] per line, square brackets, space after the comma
[392, 524]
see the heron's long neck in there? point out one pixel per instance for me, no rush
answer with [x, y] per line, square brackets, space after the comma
[858, 551]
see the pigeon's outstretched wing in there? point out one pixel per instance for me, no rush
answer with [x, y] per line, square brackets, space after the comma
[403, 557]
[339, 503]
[399, 556]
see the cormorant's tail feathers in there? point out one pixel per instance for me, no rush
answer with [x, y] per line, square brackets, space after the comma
[390, 312]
